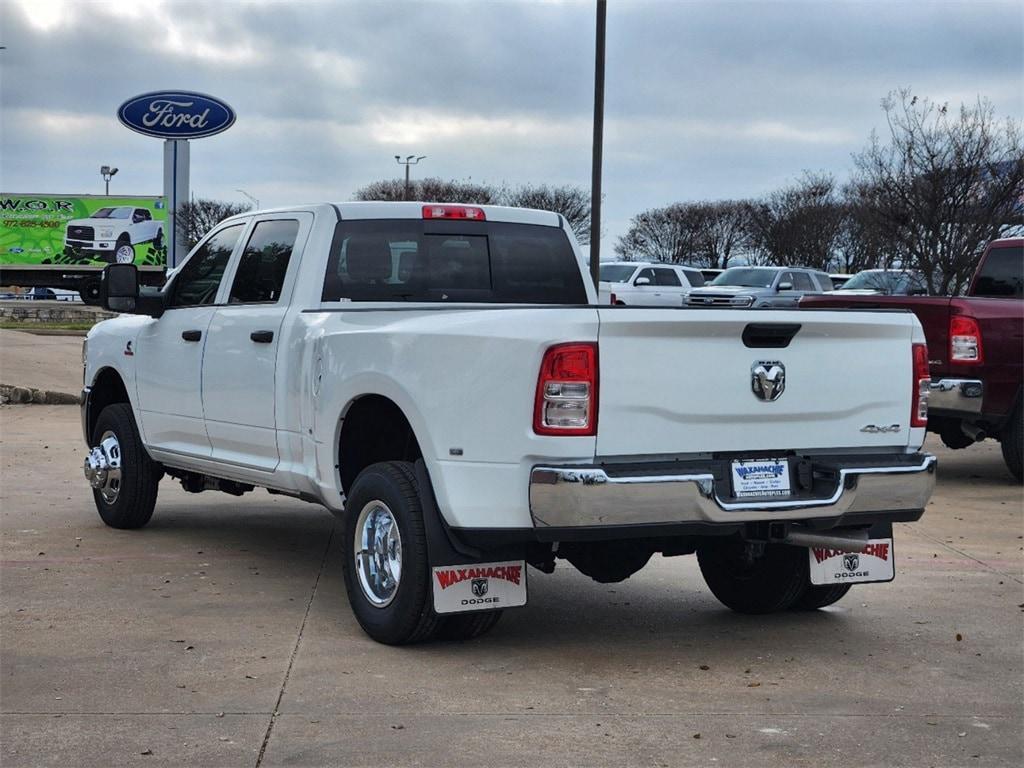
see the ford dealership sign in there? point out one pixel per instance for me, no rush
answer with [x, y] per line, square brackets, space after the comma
[176, 115]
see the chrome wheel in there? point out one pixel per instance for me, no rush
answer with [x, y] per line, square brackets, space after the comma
[378, 553]
[103, 467]
[124, 254]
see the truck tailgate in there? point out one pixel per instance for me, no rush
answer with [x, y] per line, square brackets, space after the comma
[681, 381]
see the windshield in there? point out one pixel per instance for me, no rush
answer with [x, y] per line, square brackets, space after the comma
[884, 281]
[112, 213]
[617, 273]
[747, 277]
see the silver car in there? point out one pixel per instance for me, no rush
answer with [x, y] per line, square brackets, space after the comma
[760, 287]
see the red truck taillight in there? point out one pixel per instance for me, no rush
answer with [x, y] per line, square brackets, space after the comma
[965, 340]
[471, 212]
[566, 401]
[922, 386]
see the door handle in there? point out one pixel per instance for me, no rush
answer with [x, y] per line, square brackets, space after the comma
[191, 335]
[262, 337]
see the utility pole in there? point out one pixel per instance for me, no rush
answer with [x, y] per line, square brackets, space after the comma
[595, 168]
[409, 160]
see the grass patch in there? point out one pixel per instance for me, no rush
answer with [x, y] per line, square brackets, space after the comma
[30, 327]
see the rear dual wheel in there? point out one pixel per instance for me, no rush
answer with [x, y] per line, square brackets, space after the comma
[386, 565]
[759, 582]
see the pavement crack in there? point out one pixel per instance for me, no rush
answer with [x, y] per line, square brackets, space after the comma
[295, 651]
[960, 552]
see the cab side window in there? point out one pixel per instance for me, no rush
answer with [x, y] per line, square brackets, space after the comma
[200, 276]
[666, 277]
[802, 282]
[264, 263]
[648, 273]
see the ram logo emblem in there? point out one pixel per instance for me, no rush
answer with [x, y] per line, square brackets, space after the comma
[768, 380]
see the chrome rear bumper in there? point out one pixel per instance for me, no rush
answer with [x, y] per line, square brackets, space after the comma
[961, 395]
[612, 496]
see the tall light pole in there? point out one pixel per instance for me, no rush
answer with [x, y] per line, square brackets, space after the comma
[252, 199]
[409, 160]
[595, 168]
[107, 173]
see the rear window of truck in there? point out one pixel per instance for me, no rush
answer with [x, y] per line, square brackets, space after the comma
[448, 261]
[1002, 274]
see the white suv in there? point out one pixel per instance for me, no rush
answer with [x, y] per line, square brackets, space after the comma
[647, 284]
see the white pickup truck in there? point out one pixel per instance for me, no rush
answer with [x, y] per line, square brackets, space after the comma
[442, 378]
[112, 233]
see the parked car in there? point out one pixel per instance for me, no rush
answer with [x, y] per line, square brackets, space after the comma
[885, 282]
[759, 287]
[839, 279]
[975, 351]
[647, 284]
[429, 373]
[112, 233]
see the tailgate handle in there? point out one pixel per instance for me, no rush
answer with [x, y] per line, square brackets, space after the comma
[191, 335]
[262, 337]
[769, 335]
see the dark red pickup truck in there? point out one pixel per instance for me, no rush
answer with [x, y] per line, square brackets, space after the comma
[975, 349]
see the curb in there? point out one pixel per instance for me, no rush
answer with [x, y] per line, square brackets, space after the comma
[29, 396]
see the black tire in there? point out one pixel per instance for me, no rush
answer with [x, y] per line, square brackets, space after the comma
[409, 617]
[140, 475]
[466, 626]
[819, 595]
[954, 438]
[769, 583]
[1012, 444]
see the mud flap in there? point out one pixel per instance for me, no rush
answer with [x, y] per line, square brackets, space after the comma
[465, 578]
[875, 563]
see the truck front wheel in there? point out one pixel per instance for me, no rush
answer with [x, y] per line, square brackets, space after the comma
[753, 578]
[387, 572]
[124, 479]
[124, 253]
[1012, 443]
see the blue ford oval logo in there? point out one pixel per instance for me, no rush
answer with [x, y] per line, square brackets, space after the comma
[176, 115]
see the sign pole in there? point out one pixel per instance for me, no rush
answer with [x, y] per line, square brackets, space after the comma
[595, 166]
[176, 157]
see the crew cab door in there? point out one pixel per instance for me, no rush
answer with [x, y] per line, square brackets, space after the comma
[169, 350]
[244, 341]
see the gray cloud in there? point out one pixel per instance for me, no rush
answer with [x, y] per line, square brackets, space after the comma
[703, 99]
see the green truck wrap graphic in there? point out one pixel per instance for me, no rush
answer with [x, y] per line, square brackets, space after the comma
[82, 230]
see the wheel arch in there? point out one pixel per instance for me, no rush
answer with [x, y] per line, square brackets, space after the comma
[107, 388]
[373, 428]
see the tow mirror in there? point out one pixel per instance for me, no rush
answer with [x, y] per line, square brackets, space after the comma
[120, 292]
[120, 289]
[787, 286]
[642, 281]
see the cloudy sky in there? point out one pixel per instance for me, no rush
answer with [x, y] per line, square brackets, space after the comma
[704, 100]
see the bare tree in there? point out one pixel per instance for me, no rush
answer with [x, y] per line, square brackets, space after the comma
[662, 234]
[800, 224]
[944, 184]
[429, 190]
[570, 201]
[726, 234]
[200, 215]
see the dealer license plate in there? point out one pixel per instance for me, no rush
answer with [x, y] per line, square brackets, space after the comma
[760, 477]
[479, 587]
[873, 563]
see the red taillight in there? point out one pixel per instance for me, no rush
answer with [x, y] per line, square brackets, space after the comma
[470, 212]
[566, 402]
[922, 386]
[965, 340]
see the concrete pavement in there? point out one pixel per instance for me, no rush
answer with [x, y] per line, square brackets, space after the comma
[220, 635]
[52, 363]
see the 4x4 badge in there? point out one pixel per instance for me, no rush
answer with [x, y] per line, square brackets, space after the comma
[768, 379]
